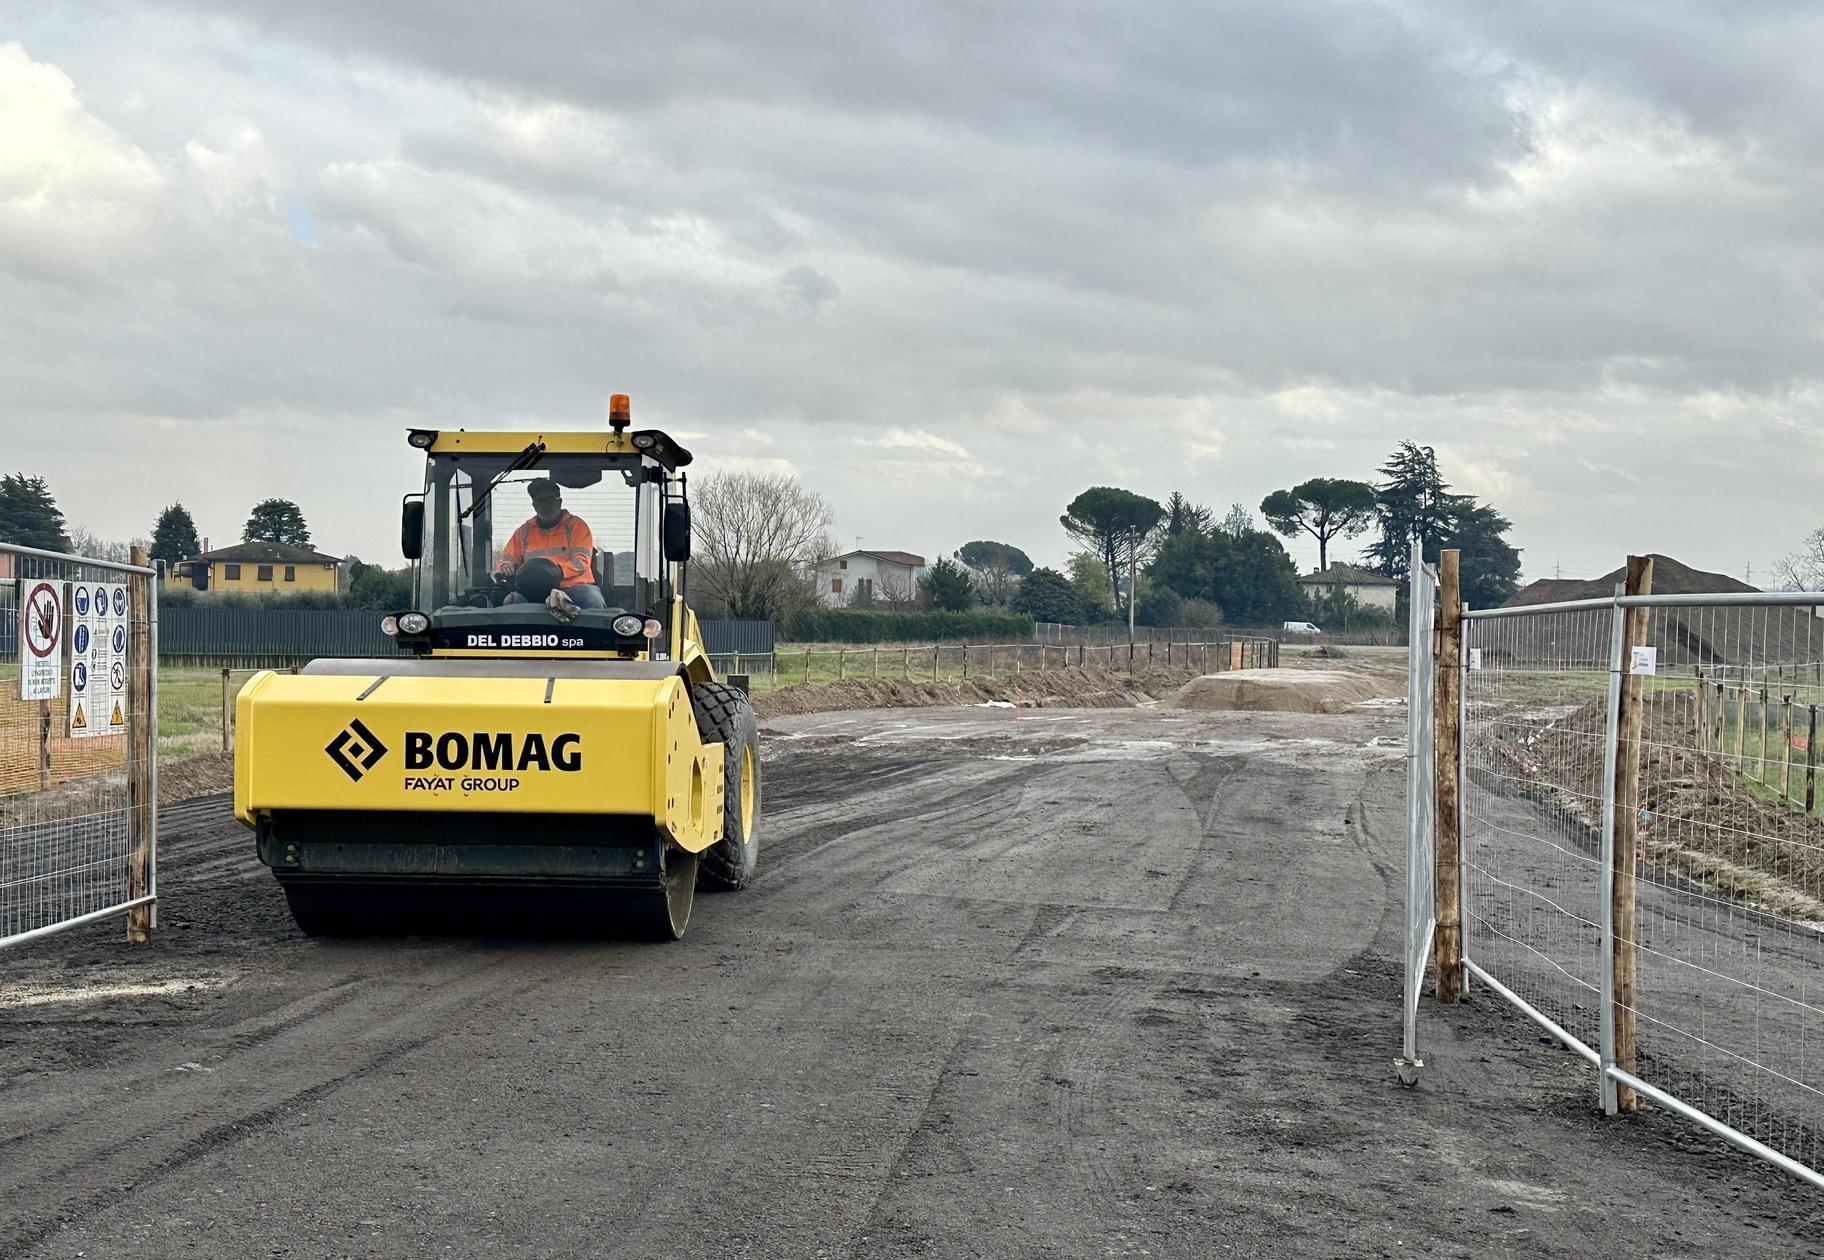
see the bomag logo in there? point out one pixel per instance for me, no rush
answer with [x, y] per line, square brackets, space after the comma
[356, 750]
[482, 750]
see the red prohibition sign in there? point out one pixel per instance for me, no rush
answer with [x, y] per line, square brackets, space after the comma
[41, 620]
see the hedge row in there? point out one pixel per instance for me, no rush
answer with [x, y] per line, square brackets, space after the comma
[851, 625]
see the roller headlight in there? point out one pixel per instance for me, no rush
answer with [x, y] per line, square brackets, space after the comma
[628, 627]
[652, 629]
[389, 625]
[413, 623]
[643, 441]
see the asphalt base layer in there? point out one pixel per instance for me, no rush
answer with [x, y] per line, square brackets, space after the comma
[1012, 983]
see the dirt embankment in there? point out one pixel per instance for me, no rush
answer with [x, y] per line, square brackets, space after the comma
[1290, 690]
[1699, 818]
[1077, 687]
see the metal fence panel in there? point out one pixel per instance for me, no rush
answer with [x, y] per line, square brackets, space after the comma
[1536, 697]
[1421, 801]
[77, 826]
[1727, 906]
[1730, 995]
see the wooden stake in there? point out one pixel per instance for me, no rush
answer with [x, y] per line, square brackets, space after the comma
[1760, 765]
[1447, 941]
[141, 820]
[1786, 748]
[1624, 947]
[227, 718]
[44, 743]
[1811, 762]
[1703, 711]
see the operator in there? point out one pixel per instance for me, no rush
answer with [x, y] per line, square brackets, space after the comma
[562, 540]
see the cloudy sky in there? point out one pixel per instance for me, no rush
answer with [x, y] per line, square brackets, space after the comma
[950, 263]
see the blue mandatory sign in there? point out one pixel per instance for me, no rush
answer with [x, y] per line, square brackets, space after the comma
[79, 677]
[101, 601]
[120, 639]
[82, 603]
[82, 631]
[120, 601]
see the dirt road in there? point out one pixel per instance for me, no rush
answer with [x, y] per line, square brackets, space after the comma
[1060, 983]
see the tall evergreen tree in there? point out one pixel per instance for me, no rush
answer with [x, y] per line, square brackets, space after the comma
[1491, 566]
[1181, 515]
[277, 520]
[1414, 502]
[174, 537]
[29, 516]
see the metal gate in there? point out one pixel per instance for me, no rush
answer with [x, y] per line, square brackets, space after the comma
[78, 734]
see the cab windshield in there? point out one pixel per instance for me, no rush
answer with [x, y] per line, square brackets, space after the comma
[475, 502]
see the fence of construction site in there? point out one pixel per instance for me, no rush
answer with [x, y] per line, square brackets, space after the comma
[78, 729]
[1627, 845]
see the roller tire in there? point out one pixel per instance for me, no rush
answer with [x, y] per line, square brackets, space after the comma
[725, 716]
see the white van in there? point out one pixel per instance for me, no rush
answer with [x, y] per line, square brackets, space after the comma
[1300, 627]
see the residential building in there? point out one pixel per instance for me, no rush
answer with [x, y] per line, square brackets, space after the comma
[887, 576]
[258, 568]
[1371, 590]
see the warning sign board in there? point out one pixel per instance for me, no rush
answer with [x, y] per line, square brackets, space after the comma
[108, 661]
[41, 641]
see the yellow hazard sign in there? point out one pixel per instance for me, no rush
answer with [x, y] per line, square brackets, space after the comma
[79, 719]
[118, 719]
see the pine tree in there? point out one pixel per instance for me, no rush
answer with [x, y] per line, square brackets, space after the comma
[28, 514]
[174, 537]
[277, 520]
[1414, 502]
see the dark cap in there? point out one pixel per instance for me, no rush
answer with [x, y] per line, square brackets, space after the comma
[543, 488]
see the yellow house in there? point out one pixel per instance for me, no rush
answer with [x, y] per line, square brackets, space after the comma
[257, 568]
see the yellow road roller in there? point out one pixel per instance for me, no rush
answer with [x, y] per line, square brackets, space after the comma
[550, 747]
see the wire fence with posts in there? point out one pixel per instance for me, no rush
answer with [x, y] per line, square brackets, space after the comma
[1635, 859]
[78, 734]
[961, 662]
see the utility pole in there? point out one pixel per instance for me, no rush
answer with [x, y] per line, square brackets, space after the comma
[1133, 563]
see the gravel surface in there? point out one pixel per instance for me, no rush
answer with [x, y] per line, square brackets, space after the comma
[1011, 983]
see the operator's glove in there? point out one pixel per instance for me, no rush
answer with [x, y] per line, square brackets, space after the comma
[561, 605]
[505, 568]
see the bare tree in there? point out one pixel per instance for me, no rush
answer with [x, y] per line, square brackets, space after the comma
[757, 536]
[86, 542]
[1803, 570]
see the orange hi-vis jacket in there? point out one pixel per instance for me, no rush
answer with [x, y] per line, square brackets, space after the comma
[568, 544]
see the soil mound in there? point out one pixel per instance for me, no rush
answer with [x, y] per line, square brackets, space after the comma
[1075, 688]
[1284, 691]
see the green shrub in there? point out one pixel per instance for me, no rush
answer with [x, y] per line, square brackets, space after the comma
[855, 625]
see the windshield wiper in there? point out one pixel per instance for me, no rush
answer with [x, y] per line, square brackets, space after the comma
[525, 459]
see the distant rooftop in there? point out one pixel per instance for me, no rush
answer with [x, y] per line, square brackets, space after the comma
[1345, 575]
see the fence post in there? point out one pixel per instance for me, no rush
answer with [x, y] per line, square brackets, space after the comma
[875, 653]
[227, 718]
[44, 745]
[1703, 711]
[1786, 747]
[934, 651]
[1448, 942]
[1623, 954]
[141, 723]
[842, 662]
[807, 665]
[965, 662]
[1811, 762]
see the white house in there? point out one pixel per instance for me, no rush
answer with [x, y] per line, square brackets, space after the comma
[1371, 590]
[887, 575]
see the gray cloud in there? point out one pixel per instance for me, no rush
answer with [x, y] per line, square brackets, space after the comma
[1209, 247]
